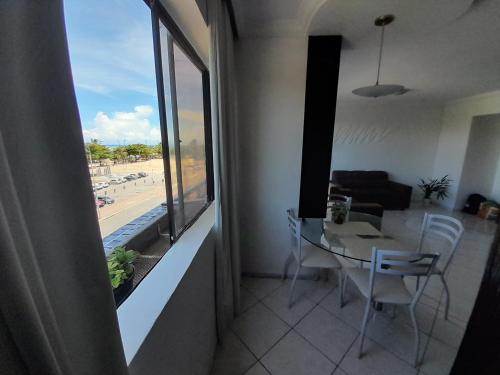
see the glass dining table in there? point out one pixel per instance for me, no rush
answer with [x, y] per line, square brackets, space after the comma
[353, 240]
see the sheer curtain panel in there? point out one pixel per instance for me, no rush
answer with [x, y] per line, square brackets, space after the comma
[57, 314]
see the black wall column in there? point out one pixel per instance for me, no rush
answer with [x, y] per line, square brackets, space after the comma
[323, 61]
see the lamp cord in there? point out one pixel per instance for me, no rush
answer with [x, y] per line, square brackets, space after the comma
[380, 54]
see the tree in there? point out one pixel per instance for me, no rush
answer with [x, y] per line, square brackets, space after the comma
[157, 149]
[138, 149]
[119, 153]
[97, 150]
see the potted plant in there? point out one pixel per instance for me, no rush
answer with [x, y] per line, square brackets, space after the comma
[339, 213]
[121, 271]
[435, 185]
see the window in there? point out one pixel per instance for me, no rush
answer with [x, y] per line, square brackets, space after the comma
[142, 94]
[186, 131]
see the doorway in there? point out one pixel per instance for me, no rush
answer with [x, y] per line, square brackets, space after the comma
[481, 167]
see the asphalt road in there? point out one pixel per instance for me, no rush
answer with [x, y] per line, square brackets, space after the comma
[135, 198]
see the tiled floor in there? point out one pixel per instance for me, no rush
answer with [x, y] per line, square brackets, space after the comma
[317, 337]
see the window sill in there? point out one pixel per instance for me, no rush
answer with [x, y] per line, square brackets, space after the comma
[151, 296]
[126, 233]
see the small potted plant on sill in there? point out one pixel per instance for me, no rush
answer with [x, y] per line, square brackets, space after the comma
[435, 185]
[121, 271]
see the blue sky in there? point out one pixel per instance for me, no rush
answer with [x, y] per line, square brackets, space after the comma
[112, 60]
[111, 51]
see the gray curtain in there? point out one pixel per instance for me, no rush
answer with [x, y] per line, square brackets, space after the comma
[57, 314]
[225, 138]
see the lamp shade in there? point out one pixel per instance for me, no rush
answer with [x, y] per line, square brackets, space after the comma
[379, 90]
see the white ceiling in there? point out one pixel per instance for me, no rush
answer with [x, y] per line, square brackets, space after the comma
[441, 50]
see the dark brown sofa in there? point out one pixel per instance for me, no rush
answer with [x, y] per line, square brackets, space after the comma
[371, 186]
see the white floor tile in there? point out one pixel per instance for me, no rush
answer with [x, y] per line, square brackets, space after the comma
[448, 332]
[257, 369]
[261, 287]
[339, 371]
[375, 361]
[295, 356]
[316, 290]
[247, 299]
[278, 302]
[425, 316]
[259, 328]
[351, 313]
[327, 333]
[438, 358]
[397, 338]
[232, 358]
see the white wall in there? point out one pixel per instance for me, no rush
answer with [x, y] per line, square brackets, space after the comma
[170, 315]
[456, 124]
[396, 135]
[271, 85]
[479, 172]
[183, 338]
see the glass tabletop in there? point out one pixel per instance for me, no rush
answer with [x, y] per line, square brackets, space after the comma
[353, 239]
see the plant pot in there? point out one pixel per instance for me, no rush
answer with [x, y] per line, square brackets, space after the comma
[339, 219]
[124, 290]
[427, 202]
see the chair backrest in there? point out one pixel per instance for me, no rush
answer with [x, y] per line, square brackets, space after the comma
[446, 227]
[294, 225]
[400, 263]
[335, 199]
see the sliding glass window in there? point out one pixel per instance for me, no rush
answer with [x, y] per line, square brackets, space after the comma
[143, 97]
[184, 100]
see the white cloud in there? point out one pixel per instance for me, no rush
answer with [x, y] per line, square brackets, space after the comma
[124, 127]
[123, 60]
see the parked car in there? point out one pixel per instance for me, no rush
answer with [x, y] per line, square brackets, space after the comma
[96, 186]
[142, 174]
[103, 185]
[106, 199]
[131, 177]
[115, 181]
[99, 203]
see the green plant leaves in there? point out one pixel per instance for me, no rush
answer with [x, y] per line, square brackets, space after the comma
[435, 185]
[120, 265]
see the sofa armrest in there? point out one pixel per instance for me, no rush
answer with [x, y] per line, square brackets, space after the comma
[403, 190]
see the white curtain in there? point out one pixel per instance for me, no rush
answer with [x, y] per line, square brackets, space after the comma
[57, 314]
[225, 138]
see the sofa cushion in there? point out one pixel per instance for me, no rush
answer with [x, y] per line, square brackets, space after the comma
[360, 178]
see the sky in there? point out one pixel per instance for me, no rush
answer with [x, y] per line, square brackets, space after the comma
[112, 60]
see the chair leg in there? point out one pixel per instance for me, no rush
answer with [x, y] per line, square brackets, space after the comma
[287, 264]
[363, 326]
[292, 288]
[447, 293]
[417, 335]
[342, 291]
[418, 283]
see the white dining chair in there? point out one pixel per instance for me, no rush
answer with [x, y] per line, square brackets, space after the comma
[333, 200]
[451, 230]
[306, 255]
[383, 283]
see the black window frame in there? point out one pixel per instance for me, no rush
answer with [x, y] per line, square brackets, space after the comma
[159, 14]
